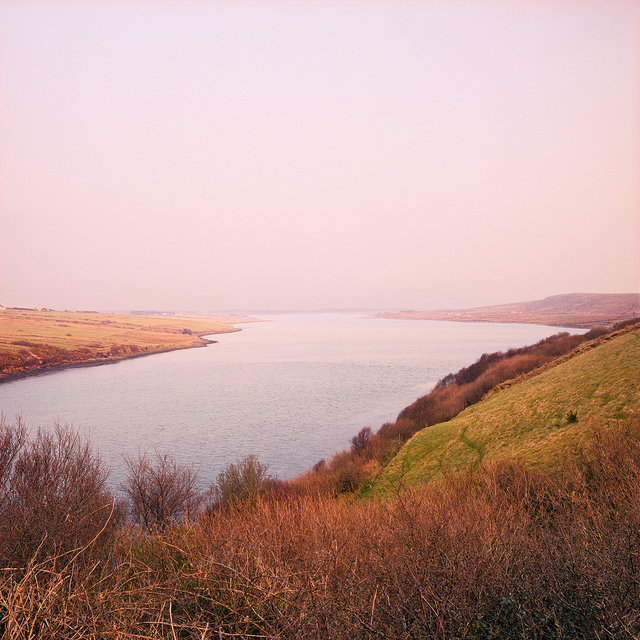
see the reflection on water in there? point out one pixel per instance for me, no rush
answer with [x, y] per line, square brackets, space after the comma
[291, 390]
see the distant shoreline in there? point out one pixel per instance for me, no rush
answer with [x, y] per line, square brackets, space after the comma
[54, 368]
[391, 315]
[571, 310]
[35, 342]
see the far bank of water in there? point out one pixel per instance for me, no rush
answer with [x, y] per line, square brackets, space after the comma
[291, 390]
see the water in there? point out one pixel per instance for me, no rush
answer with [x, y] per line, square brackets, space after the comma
[291, 390]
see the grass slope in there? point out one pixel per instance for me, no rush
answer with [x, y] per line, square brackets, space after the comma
[527, 420]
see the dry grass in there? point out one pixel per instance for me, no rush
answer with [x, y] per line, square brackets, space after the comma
[502, 553]
[32, 341]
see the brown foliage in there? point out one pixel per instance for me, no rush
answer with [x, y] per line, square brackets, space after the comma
[505, 552]
[54, 495]
[240, 482]
[12, 441]
[402, 429]
[160, 490]
[360, 441]
[451, 395]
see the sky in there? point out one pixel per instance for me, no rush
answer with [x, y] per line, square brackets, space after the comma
[306, 155]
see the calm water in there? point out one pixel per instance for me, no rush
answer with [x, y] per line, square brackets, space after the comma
[291, 390]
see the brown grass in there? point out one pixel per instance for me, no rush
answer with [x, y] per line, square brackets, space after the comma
[502, 553]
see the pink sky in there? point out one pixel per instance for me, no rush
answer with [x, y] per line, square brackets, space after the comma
[210, 155]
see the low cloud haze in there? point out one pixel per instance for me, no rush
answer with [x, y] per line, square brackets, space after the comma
[278, 155]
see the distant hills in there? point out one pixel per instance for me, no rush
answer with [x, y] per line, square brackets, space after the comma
[566, 310]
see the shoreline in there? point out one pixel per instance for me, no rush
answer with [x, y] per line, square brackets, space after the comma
[96, 362]
[569, 310]
[562, 325]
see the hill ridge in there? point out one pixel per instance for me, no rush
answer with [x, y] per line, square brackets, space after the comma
[563, 310]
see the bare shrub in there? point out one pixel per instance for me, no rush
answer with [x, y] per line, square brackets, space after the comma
[316, 482]
[456, 391]
[160, 490]
[378, 448]
[12, 440]
[350, 478]
[451, 395]
[345, 471]
[360, 440]
[54, 493]
[402, 429]
[241, 481]
[618, 325]
[502, 552]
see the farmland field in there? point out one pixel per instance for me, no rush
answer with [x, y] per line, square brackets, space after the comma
[33, 340]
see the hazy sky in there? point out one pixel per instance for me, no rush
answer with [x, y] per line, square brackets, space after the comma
[218, 155]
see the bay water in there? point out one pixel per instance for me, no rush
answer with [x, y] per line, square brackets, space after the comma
[291, 389]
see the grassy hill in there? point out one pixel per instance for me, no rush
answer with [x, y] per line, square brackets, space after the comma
[528, 419]
[566, 310]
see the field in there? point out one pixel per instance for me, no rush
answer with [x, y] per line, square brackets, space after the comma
[32, 340]
[570, 310]
[529, 420]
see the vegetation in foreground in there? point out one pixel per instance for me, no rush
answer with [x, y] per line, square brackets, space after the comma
[33, 340]
[502, 552]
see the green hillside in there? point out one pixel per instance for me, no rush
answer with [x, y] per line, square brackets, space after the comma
[528, 420]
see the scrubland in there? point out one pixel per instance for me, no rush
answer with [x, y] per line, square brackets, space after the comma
[502, 552]
[498, 547]
[379, 460]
